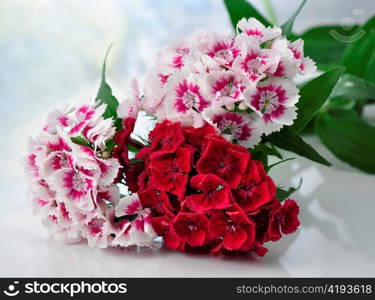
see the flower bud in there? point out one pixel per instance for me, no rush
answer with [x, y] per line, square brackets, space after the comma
[230, 107]
[242, 105]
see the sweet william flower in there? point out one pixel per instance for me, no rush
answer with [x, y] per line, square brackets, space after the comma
[191, 228]
[155, 199]
[273, 100]
[239, 127]
[163, 227]
[197, 137]
[169, 171]
[139, 230]
[122, 139]
[214, 193]
[130, 106]
[292, 59]
[225, 160]
[222, 49]
[233, 227]
[257, 31]
[186, 98]
[255, 62]
[78, 186]
[304, 64]
[96, 230]
[194, 183]
[71, 183]
[175, 53]
[132, 173]
[251, 72]
[58, 118]
[155, 90]
[166, 138]
[225, 87]
[285, 219]
[255, 189]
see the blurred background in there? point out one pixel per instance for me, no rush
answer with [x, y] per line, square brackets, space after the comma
[51, 52]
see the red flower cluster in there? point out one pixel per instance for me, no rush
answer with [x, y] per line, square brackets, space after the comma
[207, 192]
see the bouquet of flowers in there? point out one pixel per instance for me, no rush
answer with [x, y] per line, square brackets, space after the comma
[222, 104]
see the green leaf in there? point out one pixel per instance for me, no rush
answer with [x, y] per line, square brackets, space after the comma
[326, 44]
[351, 86]
[348, 137]
[282, 194]
[288, 25]
[270, 11]
[268, 150]
[279, 162]
[340, 102]
[81, 141]
[132, 148]
[239, 9]
[110, 144]
[287, 140]
[130, 218]
[359, 57]
[313, 95]
[104, 96]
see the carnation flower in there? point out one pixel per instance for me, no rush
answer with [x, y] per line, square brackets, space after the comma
[194, 180]
[201, 191]
[250, 74]
[255, 188]
[256, 31]
[233, 227]
[214, 193]
[274, 101]
[139, 230]
[224, 159]
[73, 185]
[169, 171]
[191, 228]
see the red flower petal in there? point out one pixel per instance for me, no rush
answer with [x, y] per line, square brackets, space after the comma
[132, 173]
[197, 136]
[215, 193]
[160, 224]
[234, 227]
[172, 241]
[289, 216]
[255, 189]
[120, 151]
[225, 160]
[191, 227]
[154, 199]
[259, 249]
[169, 170]
[217, 225]
[235, 237]
[167, 136]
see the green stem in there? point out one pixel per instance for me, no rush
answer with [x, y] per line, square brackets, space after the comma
[360, 105]
[270, 11]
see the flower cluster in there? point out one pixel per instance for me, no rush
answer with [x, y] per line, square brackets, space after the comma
[71, 176]
[206, 192]
[242, 85]
[192, 181]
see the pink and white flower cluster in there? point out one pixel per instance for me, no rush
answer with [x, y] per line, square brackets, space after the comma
[207, 86]
[243, 84]
[73, 185]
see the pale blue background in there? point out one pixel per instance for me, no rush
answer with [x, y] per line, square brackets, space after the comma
[51, 52]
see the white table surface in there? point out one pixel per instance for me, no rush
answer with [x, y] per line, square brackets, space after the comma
[336, 239]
